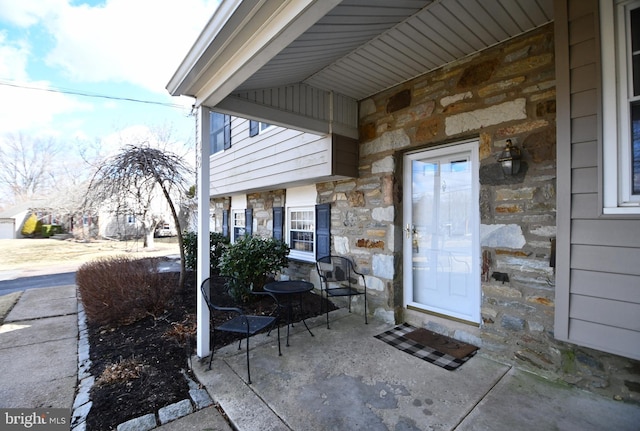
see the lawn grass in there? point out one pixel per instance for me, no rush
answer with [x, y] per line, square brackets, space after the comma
[34, 253]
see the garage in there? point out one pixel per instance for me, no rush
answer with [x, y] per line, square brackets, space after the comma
[7, 228]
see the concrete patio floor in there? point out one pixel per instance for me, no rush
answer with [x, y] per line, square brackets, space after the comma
[345, 379]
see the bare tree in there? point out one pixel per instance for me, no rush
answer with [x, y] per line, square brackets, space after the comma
[28, 166]
[129, 180]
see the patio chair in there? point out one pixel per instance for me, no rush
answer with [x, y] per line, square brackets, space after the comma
[218, 300]
[338, 277]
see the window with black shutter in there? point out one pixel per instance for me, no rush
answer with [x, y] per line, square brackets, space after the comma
[323, 230]
[254, 127]
[227, 132]
[225, 223]
[278, 223]
[219, 132]
[248, 221]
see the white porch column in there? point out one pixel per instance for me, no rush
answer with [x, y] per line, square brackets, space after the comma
[203, 265]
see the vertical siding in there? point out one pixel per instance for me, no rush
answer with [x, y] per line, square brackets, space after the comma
[598, 285]
[307, 101]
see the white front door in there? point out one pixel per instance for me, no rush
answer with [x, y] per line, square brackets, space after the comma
[441, 231]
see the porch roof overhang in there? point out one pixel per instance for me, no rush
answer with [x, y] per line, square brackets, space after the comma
[305, 64]
[276, 60]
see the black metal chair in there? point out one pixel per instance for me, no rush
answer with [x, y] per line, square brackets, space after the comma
[218, 300]
[338, 277]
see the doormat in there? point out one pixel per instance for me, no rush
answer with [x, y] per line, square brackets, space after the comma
[440, 350]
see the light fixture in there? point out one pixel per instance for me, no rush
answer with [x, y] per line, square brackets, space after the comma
[510, 159]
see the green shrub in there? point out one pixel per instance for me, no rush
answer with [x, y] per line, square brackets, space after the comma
[190, 245]
[250, 260]
[122, 290]
[31, 226]
[49, 230]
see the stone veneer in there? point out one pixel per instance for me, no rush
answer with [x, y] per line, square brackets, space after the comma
[506, 92]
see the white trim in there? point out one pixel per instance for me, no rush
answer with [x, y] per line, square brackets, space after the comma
[238, 206]
[471, 147]
[260, 35]
[301, 199]
[204, 243]
[617, 198]
[307, 256]
[268, 127]
[180, 80]
[239, 202]
[301, 196]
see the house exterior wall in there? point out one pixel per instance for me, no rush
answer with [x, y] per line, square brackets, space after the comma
[118, 227]
[598, 282]
[603, 250]
[506, 92]
[278, 156]
[7, 228]
[18, 223]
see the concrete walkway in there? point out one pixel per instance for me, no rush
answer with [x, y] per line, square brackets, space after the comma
[38, 349]
[341, 379]
[345, 379]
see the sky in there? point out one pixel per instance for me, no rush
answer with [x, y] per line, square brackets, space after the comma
[51, 50]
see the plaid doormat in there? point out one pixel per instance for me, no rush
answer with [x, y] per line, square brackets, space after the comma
[396, 337]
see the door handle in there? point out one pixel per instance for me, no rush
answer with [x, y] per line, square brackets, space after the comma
[409, 230]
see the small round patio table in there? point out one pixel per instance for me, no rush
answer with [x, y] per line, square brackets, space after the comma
[289, 288]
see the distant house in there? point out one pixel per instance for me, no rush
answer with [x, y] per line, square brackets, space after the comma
[12, 220]
[101, 223]
[127, 223]
[377, 130]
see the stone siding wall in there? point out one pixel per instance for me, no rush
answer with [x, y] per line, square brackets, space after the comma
[507, 92]
[216, 208]
[262, 204]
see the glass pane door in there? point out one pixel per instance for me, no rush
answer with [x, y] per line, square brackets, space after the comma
[441, 225]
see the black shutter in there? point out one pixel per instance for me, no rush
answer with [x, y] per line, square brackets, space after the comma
[225, 223]
[227, 132]
[254, 127]
[212, 125]
[323, 230]
[248, 221]
[278, 223]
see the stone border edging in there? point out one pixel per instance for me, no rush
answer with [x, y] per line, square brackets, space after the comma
[82, 403]
[198, 398]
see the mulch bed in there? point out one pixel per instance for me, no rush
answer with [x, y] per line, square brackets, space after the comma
[139, 367]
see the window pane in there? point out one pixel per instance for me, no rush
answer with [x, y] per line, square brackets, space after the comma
[635, 148]
[302, 241]
[301, 230]
[635, 49]
[636, 75]
[216, 132]
[238, 225]
[635, 29]
[238, 219]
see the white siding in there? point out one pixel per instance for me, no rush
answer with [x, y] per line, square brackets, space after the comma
[276, 158]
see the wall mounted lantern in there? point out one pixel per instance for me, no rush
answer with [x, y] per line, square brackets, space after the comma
[510, 159]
